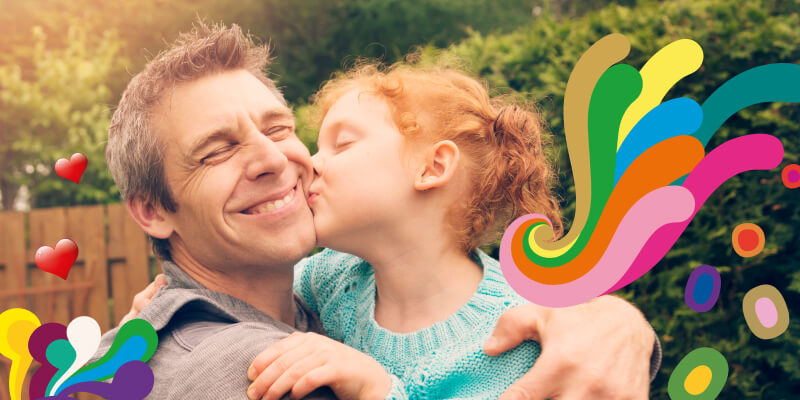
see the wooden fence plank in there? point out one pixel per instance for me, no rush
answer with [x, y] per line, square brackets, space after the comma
[86, 226]
[132, 275]
[120, 289]
[12, 256]
[116, 231]
[4, 372]
[48, 226]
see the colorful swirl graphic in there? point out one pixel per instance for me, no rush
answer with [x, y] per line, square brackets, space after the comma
[63, 351]
[640, 168]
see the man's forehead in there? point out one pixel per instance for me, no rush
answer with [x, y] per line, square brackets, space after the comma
[217, 99]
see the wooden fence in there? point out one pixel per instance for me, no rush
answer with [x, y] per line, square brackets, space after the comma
[114, 260]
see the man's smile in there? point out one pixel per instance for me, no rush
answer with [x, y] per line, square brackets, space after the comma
[276, 205]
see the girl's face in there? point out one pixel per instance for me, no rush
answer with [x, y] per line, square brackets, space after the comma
[364, 183]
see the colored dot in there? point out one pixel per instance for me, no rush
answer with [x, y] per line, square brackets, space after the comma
[702, 288]
[700, 375]
[791, 176]
[766, 312]
[748, 239]
[697, 381]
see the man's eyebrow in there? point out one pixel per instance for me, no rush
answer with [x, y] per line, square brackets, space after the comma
[215, 135]
[277, 114]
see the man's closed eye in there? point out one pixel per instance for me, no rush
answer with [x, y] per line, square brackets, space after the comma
[219, 155]
[277, 133]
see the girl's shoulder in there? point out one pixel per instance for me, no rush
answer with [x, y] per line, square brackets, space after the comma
[320, 278]
[495, 283]
[330, 264]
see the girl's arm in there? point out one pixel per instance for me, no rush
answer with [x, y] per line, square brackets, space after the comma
[303, 362]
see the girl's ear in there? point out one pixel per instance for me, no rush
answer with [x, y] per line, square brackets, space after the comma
[439, 166]
[150, 218]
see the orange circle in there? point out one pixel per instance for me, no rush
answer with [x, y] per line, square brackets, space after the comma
[748, 239]
[789, 175]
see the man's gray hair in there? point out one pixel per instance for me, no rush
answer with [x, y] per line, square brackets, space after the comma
[135, 153]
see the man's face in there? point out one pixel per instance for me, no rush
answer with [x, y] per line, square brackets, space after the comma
[238, 173]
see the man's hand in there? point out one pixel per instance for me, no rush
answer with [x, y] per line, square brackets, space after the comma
[597, 350]
[303, 362]
[142, 299]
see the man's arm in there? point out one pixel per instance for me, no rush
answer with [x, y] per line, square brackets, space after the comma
[599, 349]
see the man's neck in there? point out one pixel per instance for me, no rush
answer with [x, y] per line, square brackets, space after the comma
[266, 290]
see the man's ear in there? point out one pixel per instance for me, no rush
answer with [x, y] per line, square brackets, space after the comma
[150, 218]
[439, 166]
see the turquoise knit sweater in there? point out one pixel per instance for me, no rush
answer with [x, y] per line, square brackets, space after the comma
[443, 361]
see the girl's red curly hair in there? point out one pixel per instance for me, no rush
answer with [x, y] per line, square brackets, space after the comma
[502, 140]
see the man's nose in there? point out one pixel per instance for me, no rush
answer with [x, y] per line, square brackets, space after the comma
[265, 157]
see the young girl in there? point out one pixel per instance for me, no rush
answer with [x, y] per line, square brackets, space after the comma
[417, 168]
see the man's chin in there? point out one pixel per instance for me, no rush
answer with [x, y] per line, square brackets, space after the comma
[280, 257]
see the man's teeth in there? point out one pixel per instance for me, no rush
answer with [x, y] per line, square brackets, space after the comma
[272, 205]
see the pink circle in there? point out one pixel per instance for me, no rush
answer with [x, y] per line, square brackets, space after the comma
[766, 312]
[793, 176]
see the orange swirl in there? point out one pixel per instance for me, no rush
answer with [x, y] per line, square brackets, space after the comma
[658, 166]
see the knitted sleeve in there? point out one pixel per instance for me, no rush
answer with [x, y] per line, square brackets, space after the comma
[316, 277]
[303, 286]
[324, 282]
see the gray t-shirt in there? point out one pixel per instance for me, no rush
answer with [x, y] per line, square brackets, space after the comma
[207, 339]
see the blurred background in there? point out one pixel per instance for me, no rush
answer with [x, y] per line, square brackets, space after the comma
[65, 63]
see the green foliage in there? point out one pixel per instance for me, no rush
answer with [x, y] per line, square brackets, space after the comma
[313, 38]
[59, 106]
[735, 35]
[306, 126]
[310, 39]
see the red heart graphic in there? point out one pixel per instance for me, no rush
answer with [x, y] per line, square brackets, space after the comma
[73, 168]
[59, 261]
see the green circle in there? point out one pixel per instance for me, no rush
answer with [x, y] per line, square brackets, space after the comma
[700, 356]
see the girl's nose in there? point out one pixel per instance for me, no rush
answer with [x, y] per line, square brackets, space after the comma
[316, 162]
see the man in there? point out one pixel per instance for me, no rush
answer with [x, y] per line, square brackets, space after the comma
[203, 150]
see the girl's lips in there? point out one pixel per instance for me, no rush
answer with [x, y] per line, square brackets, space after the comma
[312, 196]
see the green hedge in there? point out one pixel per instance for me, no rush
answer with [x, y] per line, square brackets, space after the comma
[735, 35]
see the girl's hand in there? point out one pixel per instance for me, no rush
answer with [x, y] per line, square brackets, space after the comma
[303, 362]
[142, 299]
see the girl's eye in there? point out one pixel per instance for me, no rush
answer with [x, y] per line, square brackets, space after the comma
[339, 145]
[343, 143]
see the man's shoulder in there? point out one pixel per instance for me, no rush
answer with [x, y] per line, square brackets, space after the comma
[207, 335]
[204, 354]
[183, 341]
[210, 359]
